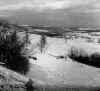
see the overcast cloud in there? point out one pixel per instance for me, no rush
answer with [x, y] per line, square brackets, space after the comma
[68, 12]
[42, 5]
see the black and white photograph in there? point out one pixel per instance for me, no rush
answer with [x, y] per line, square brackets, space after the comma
[49, 45]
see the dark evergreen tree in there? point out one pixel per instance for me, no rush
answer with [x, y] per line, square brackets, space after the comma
[10, 52]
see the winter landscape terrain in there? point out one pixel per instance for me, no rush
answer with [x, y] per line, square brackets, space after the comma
[59, 58]
[56, 67]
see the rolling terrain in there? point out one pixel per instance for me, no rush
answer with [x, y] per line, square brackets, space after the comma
[49, 57]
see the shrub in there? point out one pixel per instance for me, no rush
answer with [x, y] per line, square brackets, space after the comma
[10, 52]
[82, 57]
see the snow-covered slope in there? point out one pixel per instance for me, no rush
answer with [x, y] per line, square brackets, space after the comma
[52, 70]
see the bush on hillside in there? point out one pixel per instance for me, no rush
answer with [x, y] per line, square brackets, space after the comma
[82, 57]
[10, 52]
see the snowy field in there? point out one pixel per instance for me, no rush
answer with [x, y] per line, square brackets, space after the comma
[49, 69]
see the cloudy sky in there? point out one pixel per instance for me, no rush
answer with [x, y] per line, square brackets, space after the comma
[67, 12]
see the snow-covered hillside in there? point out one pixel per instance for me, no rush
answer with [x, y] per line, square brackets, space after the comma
[49, 60]
[54, 67]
